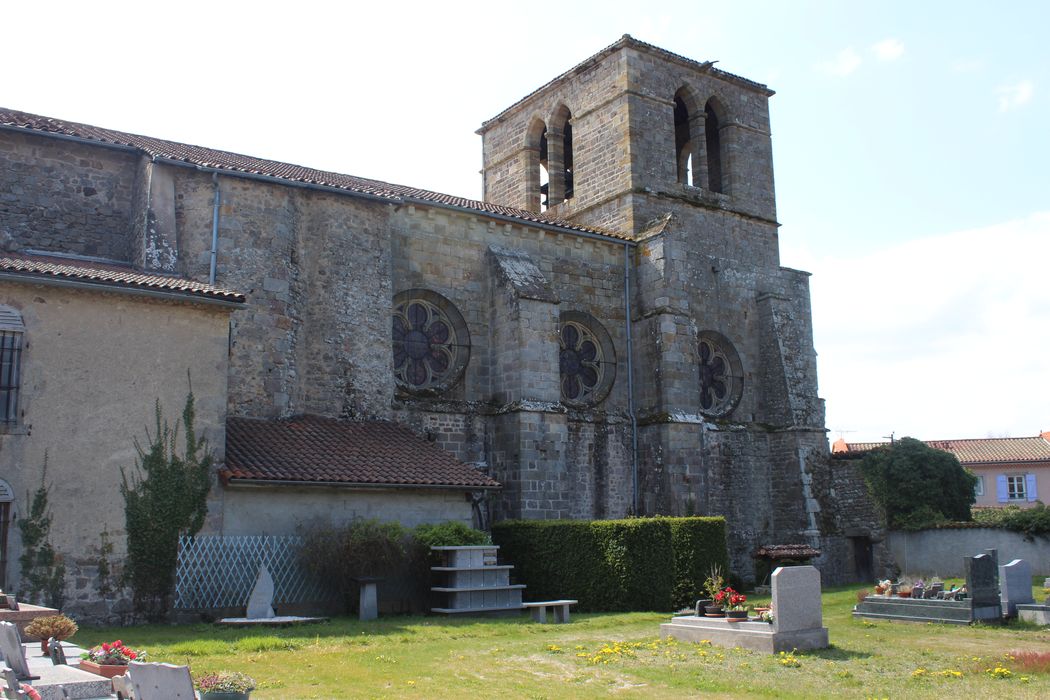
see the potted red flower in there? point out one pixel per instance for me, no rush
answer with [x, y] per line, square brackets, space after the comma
[110, 659]
[736, 611]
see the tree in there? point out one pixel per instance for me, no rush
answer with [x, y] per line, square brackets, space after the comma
[164, 498]
[916, 485]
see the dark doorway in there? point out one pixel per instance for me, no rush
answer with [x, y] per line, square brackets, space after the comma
[863, 561]
[5, 516]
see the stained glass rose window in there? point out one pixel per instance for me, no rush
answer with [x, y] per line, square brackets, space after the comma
[587, 359]
[431, 343]
[720, 375]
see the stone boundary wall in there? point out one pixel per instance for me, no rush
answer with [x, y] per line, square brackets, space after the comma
[940, 552]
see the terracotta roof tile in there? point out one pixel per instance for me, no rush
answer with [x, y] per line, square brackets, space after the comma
[237, 163]
[109, 275]
[325, 450]
[981, 450]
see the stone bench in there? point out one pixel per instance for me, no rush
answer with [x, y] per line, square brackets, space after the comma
[559, 607]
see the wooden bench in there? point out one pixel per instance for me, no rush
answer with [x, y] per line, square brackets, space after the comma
[560, 608]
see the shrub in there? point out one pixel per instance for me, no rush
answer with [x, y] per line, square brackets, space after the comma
[361, 548]
[614, 565]
[1030, 521]
[917, 486]
[449, 534]
[58, 626]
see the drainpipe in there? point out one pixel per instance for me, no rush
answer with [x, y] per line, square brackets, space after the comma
[214, 230]
[630, 377]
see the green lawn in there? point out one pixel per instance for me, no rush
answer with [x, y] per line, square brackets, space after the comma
[598, 655]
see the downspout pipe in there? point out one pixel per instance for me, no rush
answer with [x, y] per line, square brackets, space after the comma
[214, 229]
[630, 377]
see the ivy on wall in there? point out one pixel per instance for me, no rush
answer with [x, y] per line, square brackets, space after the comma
[165, 497]
[43, 573]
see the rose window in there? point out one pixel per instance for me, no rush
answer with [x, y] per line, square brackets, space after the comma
[586, 360]
[720, 375]
[430, 343]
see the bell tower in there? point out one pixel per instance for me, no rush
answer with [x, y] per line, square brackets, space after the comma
[630, 134]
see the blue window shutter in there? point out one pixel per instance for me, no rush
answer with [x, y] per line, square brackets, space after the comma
[1029, 483]
[1001, 494]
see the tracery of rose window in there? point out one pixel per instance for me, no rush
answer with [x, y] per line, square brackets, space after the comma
[429, 352]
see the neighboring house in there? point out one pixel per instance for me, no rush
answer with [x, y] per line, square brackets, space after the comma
[609, 332]
[1009, 471]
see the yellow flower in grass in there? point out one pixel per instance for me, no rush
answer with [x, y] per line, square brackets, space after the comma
[919, 672]
[1000, 672]
[554, 648]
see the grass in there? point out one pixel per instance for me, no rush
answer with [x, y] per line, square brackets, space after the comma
[602, 654]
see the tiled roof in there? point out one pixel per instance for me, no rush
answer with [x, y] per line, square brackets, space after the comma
[981, 450]
[330, 451]
[47, 267]
[628, 40]
[237, 163]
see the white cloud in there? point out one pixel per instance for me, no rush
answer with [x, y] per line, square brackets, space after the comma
[1015, 95]
[942, 337]
[888, 49]
[844, 63]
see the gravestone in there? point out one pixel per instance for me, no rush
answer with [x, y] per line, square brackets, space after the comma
[260, 602]
[1015, 581]
[982, 586]
[796, 599]
[796, 624]
[12, 650]
[367, 601]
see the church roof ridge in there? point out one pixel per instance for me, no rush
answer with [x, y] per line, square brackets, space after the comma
[237, 164]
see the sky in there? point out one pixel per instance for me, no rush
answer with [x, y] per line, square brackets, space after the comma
[911, 146]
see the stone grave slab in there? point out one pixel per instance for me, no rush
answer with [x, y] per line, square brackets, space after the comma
[260, 602]
[953, 612]
[25, 613]
[982, 586]
[1036, 614]
[798, 621]
[260, 607]
[47, 678]
[1015, 586]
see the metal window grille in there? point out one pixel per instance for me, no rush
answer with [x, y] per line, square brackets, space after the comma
[219, 572]
[10, 365]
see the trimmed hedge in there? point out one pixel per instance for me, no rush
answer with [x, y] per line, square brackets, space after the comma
[614, 565]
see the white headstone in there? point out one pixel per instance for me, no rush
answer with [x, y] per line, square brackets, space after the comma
[796, 599]
[12, 650]
[155, 681]
[1015, 585]
[260, 602]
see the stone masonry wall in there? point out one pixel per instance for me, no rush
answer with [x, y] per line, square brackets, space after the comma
[61, 196]
[314, 337]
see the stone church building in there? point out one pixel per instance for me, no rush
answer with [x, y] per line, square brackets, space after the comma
[607, 332]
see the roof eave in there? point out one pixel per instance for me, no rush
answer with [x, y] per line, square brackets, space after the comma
[117, 288]
[233, 481]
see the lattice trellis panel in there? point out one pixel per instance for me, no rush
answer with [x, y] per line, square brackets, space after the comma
[219, 572]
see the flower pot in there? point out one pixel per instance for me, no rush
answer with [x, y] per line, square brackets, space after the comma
[223, 695]
[904, 594]
[714, 611]
[104, 670]
[736, 615]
